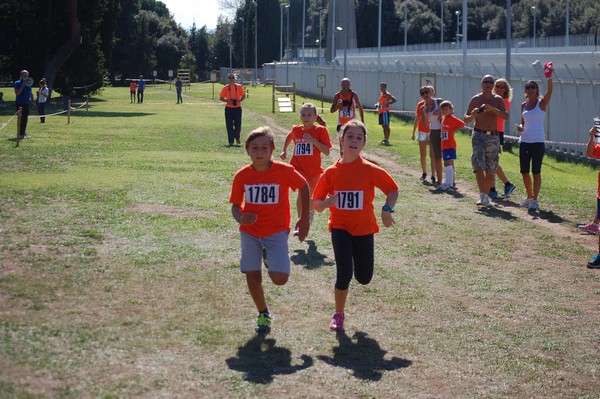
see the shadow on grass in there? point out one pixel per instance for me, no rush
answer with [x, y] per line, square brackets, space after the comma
[98, 114]
[496, 212]
[549, 216]
[311, 258]
[363, 356]
[260, 360]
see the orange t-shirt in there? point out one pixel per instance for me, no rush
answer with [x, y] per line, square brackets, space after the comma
[355, 185]
[450, 124]
[266, 194]
[422, 128]
[500, 121]
[132, 87]
[235, 93]
[306, 157]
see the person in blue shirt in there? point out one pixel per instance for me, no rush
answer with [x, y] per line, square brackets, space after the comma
[24, 98]
[141, 87]
[178, 87]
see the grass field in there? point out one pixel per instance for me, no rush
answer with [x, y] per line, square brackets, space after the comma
[119, 271]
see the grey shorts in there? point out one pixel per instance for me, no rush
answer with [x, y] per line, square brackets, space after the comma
[276, 247]
[485, 152]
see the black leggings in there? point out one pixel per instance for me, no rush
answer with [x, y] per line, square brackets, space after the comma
[352, 253]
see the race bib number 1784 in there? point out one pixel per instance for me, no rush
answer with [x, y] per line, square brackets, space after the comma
[262, 194]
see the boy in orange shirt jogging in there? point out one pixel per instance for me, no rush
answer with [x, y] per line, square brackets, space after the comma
[450, 124]
[310, 141]
[260, 204]
[347, 188]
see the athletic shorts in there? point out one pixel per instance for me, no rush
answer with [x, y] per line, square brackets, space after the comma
[384, 118]
[449, 154]
[276, 247]
[485, 152]
[423, 136]
[435, 142]
[531, 154]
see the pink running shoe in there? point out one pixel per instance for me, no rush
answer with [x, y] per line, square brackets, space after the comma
[591, 228]
[337, 322]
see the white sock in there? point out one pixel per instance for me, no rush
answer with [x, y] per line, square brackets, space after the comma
[450, 175]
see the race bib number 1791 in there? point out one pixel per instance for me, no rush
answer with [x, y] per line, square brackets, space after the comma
[262, 194]
[350, 200]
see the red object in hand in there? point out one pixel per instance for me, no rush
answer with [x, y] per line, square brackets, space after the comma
[548, 69]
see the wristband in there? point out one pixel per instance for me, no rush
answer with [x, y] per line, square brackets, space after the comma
[387, 208]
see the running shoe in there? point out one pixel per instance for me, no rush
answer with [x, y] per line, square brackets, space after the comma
[263, 323]
[595, 262]
[493, 193]
[534, 204]
[508, 189]
[591, 228]
[526, 202]
[484, 200]
[433, 180]
[443, 187]
[337, 322]
[424, 176]
[385, 142]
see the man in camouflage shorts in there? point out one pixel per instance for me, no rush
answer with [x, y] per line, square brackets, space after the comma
[484, 108]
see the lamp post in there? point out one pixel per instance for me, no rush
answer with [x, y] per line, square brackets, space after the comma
[230, 63]
[333, 27]
[243, 43]
[442, 24]
[255, 40]
[320, 33]
[287, 47]
[303, 26]
[281, 7]
[405, 26]
[379, 38]
[567, 25]
[340, 29]
[457, 13]
[534, 22]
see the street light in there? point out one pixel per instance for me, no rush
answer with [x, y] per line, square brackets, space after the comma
[405, 27]
[230, 64]
[333, 32]
[281, 7]
[442, 24]
[288, 50]
[243, 43]
[303, 26]
[321, 11]
[534, 21]
[457, 13]
[255, 40]
[340, 29]
[379, 38]
[567, 25]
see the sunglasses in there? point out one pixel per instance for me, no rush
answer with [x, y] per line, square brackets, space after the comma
[424, 92]
[231, 77]
[488, 82]
[530, 87]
